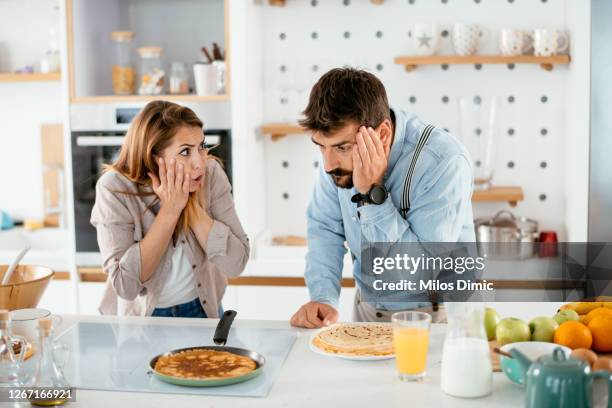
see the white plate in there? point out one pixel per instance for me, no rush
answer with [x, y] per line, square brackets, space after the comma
[344, 356]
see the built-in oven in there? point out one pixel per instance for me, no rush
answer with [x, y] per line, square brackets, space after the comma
[91, 149]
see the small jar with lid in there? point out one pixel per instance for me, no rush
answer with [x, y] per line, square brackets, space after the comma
[178, 79]
[151, 71]
[123, 73]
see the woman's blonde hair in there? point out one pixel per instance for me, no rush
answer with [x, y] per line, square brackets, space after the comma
[150, 132]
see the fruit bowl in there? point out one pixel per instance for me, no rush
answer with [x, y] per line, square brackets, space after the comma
[533, 350]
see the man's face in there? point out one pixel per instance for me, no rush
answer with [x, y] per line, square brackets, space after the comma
[337, 150]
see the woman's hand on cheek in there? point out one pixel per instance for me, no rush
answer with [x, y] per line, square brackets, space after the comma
[172, 186]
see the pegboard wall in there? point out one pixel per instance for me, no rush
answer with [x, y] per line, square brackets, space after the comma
[304, 39]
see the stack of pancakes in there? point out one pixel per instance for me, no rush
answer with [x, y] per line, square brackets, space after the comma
[356, 339]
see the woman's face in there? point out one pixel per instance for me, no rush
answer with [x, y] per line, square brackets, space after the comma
[187, 147]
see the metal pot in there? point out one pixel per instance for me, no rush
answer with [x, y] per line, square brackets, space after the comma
[505, 236]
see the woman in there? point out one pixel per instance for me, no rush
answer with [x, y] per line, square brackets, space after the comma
[167, 228]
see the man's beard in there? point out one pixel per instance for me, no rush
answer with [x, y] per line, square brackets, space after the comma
[342, 178]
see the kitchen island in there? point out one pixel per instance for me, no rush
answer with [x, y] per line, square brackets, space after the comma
[308, 379]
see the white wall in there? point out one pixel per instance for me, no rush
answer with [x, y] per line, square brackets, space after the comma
[24, 31]
[578, 131]
[24, 37]
[24, 107]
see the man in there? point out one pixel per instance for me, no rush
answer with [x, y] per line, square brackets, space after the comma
[367, 150]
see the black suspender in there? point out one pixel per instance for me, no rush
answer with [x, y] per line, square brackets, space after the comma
[405, 200]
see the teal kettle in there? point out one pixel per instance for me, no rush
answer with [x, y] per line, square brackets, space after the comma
[559, 382]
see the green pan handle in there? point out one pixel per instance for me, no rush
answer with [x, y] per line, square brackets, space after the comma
[608, 376]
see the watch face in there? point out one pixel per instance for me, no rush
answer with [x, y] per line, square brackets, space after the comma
[378, 194]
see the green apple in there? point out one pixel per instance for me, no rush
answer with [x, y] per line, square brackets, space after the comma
[491, 319]
[566, 315]
[543, 329]
[511, 330]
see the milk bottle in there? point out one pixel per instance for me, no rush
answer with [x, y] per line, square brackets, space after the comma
[466, 360]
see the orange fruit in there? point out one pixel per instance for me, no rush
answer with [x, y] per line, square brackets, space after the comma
[601, 329]
[574, 335]
[600, 311]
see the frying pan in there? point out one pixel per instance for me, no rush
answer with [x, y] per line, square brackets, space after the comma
[220, 338]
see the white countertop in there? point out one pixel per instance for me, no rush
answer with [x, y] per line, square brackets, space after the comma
[311, 380]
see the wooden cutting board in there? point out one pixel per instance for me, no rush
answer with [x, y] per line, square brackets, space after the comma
[495, 357]
[52, 142]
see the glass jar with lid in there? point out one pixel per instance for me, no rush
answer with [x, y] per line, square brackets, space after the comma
[178, 79]
[151, 71]
[124, 77]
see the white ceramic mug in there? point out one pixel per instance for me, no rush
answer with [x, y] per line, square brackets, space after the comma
[205, 77]
[515, 42]
[423, 39]
[548, 42]
[467, 38]
[25, 322]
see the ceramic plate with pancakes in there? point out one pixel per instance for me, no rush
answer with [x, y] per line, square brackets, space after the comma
[355, 341]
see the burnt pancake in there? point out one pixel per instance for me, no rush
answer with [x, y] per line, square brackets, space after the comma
[204, 364]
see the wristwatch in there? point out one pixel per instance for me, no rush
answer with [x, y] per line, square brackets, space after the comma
[377, 195]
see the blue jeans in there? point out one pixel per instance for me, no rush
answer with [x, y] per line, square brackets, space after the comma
[189, 309]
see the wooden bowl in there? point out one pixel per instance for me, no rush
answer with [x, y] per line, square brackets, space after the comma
[25, 288]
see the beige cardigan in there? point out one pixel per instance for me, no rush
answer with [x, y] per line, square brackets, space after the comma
[122, 222]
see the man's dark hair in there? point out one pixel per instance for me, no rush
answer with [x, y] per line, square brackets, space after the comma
[343, 95]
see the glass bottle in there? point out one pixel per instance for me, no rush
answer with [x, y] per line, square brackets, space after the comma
[151, 71]
[466, 360]
[48, 374]
[10, 361]
[479, 132]
[124, 78]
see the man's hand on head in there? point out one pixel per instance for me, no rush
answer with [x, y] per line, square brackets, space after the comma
[313, 315]
[370, 158]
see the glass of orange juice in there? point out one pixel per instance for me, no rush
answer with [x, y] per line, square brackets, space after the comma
[411, 342]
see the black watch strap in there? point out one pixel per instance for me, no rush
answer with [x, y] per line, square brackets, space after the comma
[359, 199]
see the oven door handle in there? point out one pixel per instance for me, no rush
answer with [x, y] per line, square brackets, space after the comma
[212, 140]
[95, 141]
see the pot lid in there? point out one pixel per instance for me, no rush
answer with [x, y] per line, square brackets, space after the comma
[558, 360]
[505, 219]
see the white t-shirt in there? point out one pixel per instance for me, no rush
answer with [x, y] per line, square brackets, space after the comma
[180, 287]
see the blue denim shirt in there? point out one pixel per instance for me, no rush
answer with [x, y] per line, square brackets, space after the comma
[440, 211]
